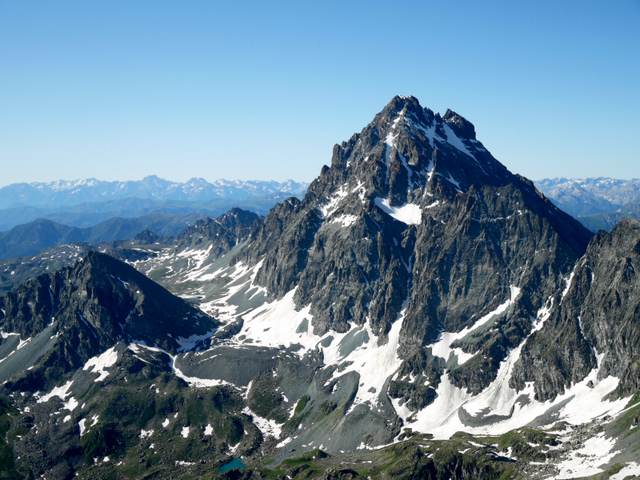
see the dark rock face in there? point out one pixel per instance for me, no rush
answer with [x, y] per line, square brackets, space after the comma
[460, 126]
[464, 267]
[600, 315]
[284, 239]
[415, 214]
[92, 306]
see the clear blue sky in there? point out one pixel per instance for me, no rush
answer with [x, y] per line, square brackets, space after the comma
[264, 89]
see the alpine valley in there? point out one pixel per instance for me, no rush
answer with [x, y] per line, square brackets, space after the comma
[420, 313]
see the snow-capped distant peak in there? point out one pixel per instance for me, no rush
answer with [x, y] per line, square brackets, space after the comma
[73, 192]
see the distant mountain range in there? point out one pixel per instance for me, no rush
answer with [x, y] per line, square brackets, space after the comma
[63, 192]
[85, 203]
[598, 203]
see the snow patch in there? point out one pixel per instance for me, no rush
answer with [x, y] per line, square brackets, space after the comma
[409, 213]
[510, 409]
[274, 324]
[345, 220]
[568, 285]
[196, 381]
[61, 392]
[101, 362]
[586, 461]
[267, 427]
[220, 307]
[442, 347]
[70, 405]
[332, 205]
[454, 141]
[191, 342]
[632, 468]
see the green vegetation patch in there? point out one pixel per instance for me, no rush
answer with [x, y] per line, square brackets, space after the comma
[301, 404]
[298, 417]
[6, 452]
[265, 399]
[529, 445]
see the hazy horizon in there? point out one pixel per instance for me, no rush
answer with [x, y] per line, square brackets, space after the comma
[123, 90]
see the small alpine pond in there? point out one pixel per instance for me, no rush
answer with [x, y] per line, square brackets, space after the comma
[235, 463]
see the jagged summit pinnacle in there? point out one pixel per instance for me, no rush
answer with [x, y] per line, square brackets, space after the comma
[462, 127]
[411, 154]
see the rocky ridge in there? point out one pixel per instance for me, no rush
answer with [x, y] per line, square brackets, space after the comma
[595, 325]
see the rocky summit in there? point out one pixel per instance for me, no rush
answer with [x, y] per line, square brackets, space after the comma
[421, 313]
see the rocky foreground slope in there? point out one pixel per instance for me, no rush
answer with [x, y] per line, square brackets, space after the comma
[420, 313]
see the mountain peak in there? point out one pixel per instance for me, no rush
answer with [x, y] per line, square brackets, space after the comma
[408, 154]
[410, 107]
[400, 103]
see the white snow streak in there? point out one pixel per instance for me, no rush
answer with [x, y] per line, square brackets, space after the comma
[374, 363]
[442, 347]
[632, 468]
[345, 220]
[442, 419]
[330, 207]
